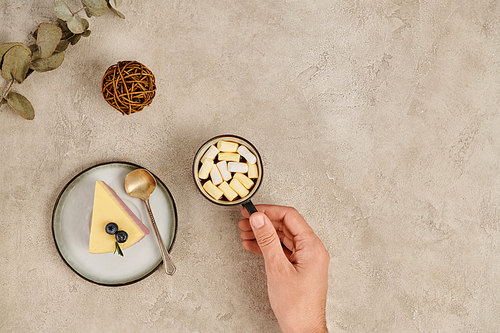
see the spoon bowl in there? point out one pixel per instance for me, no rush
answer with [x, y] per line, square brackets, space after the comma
[140, 184]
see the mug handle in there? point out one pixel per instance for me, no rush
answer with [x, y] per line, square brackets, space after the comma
[250, 207]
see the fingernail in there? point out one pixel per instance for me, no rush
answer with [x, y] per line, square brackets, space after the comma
[257, 221]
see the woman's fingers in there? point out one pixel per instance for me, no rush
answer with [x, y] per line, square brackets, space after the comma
[244, 225]
[252, 246]
[286, 241]
[247, 235]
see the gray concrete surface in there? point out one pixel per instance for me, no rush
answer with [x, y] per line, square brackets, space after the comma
[378, 120]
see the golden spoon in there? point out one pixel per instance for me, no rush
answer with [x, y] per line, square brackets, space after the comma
[140, 184]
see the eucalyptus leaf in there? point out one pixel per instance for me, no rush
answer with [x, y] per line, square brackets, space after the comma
[31, 70]
[85, 23]
[66, 33]
[48, 38]
[62, 24]
[21, 105]
[86, 33]
[45, 65]
[35, 53]
[76, 25]
[16, 63]
[62, 11]
[75, 39]
[95, 7]
[2, 100]
[33, 48]
[5, 47]
[88, 12]
[117, 13]
[117, 3]
[63, 45]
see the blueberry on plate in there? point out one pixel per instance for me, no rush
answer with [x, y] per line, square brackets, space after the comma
[111, 228]
[121, 236]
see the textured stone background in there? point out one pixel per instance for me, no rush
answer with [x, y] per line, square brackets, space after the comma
[378, 120]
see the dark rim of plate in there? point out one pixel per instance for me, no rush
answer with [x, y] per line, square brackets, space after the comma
[57, 203]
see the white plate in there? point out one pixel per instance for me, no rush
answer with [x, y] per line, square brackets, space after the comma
[71, 221]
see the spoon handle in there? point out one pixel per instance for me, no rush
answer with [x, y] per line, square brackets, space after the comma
[167, 261]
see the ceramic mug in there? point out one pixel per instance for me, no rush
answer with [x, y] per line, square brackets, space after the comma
[246, 201]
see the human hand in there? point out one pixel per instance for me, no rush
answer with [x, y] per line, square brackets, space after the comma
[297, 272]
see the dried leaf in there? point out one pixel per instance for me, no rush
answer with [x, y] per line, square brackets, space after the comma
[75, 39]
[45, 65]
[85, 23]
[88, 12]
[48, 38]
[35, 53]
[5, 47]
[21, 105]
[66, 33]
[62, 24]
[117, 3]
[33, 48]
[117, 13]
[63, 45]
[31, 70]
[62, 11]
[16, 63]
[86, 33]
[95, 7]
[76, 24]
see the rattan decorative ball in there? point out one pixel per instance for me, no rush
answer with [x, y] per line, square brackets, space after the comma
[128, 86]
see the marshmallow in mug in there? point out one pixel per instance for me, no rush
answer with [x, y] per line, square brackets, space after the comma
[229, 176]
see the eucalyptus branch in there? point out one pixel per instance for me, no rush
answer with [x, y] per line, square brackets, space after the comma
[18, 60]
[79, 10]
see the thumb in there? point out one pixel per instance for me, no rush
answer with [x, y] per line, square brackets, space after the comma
[266, 237]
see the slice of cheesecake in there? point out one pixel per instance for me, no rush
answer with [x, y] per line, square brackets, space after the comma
[108, 207]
